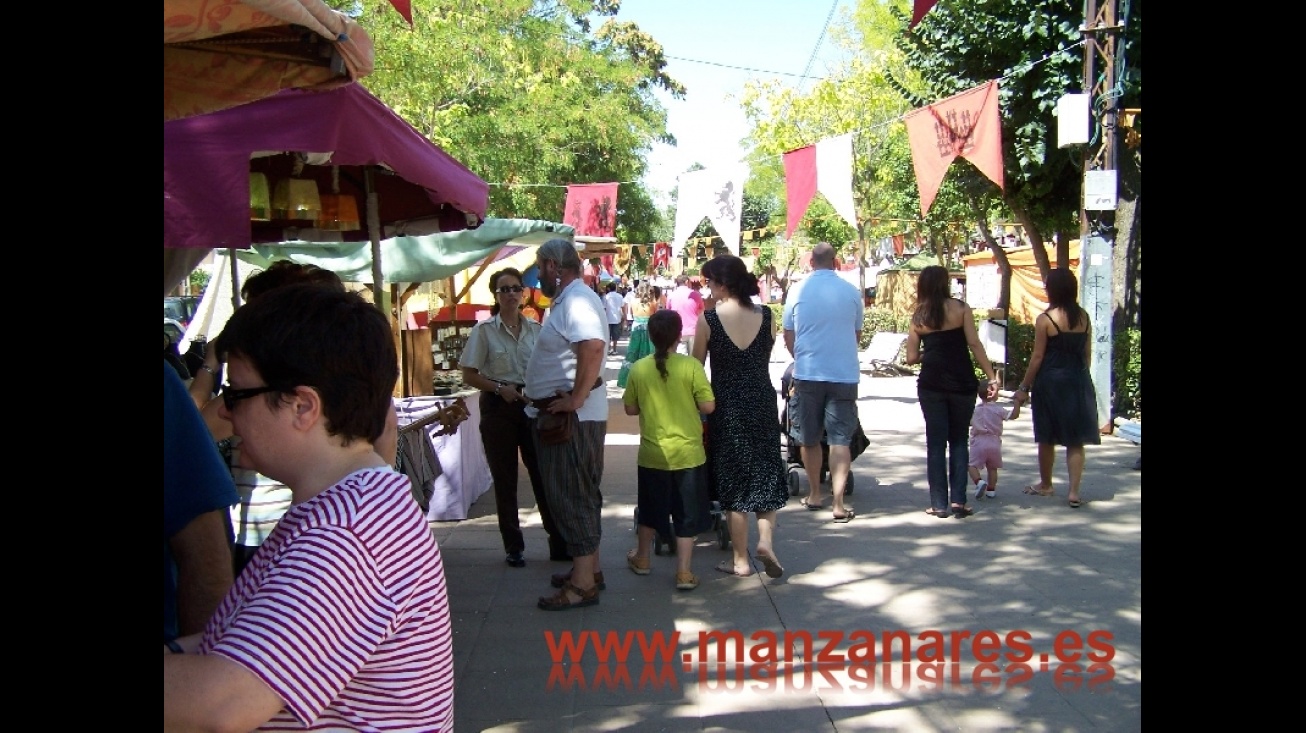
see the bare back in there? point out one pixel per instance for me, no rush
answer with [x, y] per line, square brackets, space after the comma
[741, 324]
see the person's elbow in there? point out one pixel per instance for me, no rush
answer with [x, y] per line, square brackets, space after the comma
[632, 409]
[708, 407]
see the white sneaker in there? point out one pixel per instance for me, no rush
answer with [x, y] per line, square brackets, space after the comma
[990, 493]
[982, 490]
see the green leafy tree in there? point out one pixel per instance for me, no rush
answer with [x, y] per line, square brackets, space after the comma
[1033, 46]
[529, 95]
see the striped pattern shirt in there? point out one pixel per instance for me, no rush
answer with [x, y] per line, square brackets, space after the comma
[343, 613]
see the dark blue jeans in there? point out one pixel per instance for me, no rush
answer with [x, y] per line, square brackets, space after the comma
[947, 449]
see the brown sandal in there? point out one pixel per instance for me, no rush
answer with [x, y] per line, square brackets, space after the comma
[561, 602]
[1034, 490]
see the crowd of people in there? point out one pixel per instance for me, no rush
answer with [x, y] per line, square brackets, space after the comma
[302, 584]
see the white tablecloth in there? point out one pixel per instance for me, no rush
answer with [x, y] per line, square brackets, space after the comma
[465, 475]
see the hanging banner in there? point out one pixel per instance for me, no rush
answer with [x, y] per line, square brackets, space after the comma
[661, 255]
[918, 10]
[592, 209]
[965, 125]
[718, 194]
[826, 167]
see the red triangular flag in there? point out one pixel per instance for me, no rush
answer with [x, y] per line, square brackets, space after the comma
[405, 8]
[918, 10]
[800, 185]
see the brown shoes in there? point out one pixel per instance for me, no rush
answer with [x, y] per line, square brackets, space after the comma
[561, 602]
[560, 579]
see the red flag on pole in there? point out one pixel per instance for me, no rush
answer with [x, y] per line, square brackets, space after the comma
[918, 10]
[405, 8]
[592, 209]
[964, 124]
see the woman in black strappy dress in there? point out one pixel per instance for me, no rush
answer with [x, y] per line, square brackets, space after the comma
[1065, 411]
[744, 431]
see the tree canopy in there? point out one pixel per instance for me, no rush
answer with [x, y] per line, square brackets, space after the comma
[531, 96]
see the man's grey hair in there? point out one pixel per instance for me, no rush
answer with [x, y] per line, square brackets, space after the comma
[562, 252]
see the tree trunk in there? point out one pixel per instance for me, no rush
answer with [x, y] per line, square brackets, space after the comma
[1035, 239]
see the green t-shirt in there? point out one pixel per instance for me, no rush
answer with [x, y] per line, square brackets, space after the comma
[670, 430]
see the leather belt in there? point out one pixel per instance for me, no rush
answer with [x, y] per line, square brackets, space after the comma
[544, 402]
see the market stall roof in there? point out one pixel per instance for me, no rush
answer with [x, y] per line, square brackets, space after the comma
[223, 53]
[408, 259]
[207, 165]
[920, 261]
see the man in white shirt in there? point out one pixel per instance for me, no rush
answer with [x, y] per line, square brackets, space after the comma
[564, 383]
[615, 304]
[629, 306]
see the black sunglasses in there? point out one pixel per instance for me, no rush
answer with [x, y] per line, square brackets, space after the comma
[505, 289]
[231, 395]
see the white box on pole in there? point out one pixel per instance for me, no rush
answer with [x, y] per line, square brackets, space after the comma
[1072, 120]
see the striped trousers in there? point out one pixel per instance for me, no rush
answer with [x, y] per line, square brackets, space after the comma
[572, 473]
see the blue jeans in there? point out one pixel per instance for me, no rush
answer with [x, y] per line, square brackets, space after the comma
[947, 452]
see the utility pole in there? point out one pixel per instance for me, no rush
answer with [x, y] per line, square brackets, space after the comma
[1098, 203]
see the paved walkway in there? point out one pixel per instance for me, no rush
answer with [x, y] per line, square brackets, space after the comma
[1036, 573]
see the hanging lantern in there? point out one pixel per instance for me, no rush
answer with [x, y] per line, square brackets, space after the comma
[260, 199]
[339, 213]
[296, 198]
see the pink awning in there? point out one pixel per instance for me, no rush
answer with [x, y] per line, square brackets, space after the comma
[207, 162]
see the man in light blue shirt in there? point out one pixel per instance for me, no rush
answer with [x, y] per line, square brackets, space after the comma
[823, 329]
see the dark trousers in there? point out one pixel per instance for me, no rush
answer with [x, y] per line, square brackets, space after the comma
[505, 432]
[947, 449]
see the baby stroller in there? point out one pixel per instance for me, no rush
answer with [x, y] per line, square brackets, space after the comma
[793, 452]
[664, 545]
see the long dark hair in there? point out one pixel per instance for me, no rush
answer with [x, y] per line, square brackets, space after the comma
[731, 273]
[664, 332]
[494, 285]
[932, 294]
[1063, 293]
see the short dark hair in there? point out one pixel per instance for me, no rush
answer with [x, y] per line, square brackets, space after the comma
[494, 284]
[285, 272]
[333, 341]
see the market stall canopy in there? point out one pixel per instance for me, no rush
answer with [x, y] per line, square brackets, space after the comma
[223, 53]
[408, 259]
[895, 287]
[1028, 296]
[207, 161]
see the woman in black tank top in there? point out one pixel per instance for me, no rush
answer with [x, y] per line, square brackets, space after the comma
[942, 339]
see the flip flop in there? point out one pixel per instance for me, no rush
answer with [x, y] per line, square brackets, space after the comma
[935, 513]
[1076, 503]
[773, 568]
[1033, 490]
[846, 518]
[728, 567]
[961, 512]
[811, 507]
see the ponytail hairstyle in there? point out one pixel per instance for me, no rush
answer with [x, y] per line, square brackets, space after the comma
[664, 332]
[732, 274]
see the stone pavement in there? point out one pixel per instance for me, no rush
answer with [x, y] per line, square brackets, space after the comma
[1040, 576]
